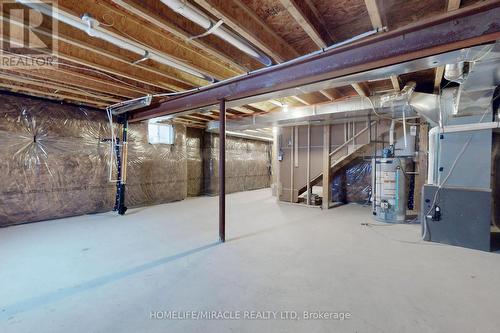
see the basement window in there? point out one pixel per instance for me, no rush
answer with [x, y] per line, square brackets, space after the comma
[161, 134]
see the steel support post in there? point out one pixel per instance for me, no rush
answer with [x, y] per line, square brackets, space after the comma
[222, 171]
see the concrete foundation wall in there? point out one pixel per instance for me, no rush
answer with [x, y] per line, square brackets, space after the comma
[194, 144]
[156, 173]
[248, 164]
[54, 162]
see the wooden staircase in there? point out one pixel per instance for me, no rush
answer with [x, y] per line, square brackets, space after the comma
[352, 149]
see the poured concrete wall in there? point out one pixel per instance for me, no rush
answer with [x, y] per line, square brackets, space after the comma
[194, 144]
[156, 173]
[248, 164]
[54, 162]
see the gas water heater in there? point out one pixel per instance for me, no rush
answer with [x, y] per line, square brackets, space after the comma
[389, 195]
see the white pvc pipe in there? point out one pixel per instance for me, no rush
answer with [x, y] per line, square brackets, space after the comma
[433, 133]
[195, 15]
[110, 37]
[391, 133]
[404, 126]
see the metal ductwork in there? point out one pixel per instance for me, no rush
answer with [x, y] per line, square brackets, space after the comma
[197, 16]
[455, 72]
[404, 94]
[466, 108]
[352, 109]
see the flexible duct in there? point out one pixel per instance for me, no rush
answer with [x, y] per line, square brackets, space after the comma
[197, 16]
[405, 93]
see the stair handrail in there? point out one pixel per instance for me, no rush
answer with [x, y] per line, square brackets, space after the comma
[353, 138]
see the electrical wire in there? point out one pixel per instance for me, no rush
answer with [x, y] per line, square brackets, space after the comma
[76, 67]
[42, 81]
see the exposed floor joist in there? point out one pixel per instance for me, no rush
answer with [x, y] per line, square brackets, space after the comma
[395, 82]
[68, 78]
[57, 87]
[452, 5]
[446, 32]
[166, 25]
[283, 29]
[136, 31]
[247, 24]
[302, 13]
[101, 60]
[362, 89]
[374, 12]
[439, 71]
[39, 92]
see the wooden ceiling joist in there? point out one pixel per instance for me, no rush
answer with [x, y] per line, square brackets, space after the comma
[452, 5]
[187, 123]
[95, 72]
[301, 100]
[57, 87]
[140, 32]
[362, 89]
[73, 51]
[51, 95]
[78, 39]
[327, 94]
[194, 119]
[91, 82]
[166, 25]
[395, 82]
[69, 79]
[438, 78]
[139, 72]
[306, 17]
[247, 24]
[254, 109]
[374, 13]
[331, 93]
[200, 116]
[165, 76]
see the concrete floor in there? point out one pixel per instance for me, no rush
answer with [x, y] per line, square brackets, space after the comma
[105, 273]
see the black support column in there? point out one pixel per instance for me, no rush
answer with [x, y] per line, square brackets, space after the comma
[222, 171]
